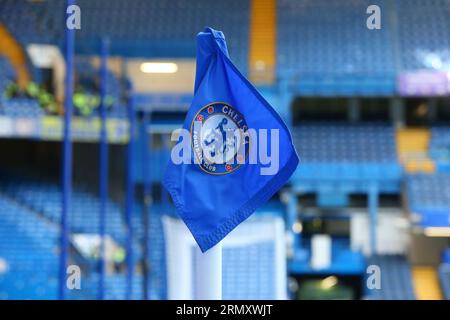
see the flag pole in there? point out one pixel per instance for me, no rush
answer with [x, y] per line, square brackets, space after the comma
[208, 273]
[67, 160]
[103, 164]
[129, 201]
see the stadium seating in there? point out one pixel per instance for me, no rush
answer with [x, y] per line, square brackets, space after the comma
[26, 107]
[429, 198]
[7, 73]
[328, 150]
[423, 34]
[31, 21]
[444, 274]
[144, 31]
[439, 148]
[115, 288]
[335, 54]
[337, 151]
[17, 107]
[156, 251]
[343, 142]
[323, 49]
[42, 197]
[28, 244]
[329, 50]
[22, 107]
[88, 79]
[444, 277]
[396, 280]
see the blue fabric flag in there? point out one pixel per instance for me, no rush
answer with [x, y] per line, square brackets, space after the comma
[222, 186]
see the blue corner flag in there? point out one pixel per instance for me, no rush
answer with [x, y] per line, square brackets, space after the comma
[239, 152]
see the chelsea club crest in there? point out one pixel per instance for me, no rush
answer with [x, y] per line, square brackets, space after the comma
[219, 138]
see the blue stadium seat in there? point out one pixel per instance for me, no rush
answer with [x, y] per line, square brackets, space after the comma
[28, 244]
[396, 278]
[329, 49]
[444, 277]
[144, 31]
[342, 142]
[341, 151]
[40, 196]
[423, 34]
[7, 74]
[429, 198]
[439, 147]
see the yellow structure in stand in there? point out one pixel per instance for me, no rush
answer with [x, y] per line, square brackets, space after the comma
[13, 51]
[412, 150]
[262, 53]
[426, 283]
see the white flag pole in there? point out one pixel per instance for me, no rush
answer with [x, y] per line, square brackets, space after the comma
[208, 273]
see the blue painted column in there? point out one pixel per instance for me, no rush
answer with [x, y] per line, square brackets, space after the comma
[103, 163]
[373, 217]
[166, 151]
[293, 222]
[66, 158]
[130, 198]
[147, 179]
[285, 99]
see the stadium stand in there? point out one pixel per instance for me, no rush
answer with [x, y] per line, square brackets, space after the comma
[429, 198]
[396, 281]
[423, 34]
[44, 196]
[341, 142]
[322, 48]
[115, 288]
[14, 107]
[31, 22]
[88, 83]
[41, 196]
[336, 151]
[7, 74]
[444, 275]
[29, 246]
[439, 148]
[142, 32]
[327, 49]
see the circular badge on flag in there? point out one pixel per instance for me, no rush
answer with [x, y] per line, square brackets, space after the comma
[219, 138]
